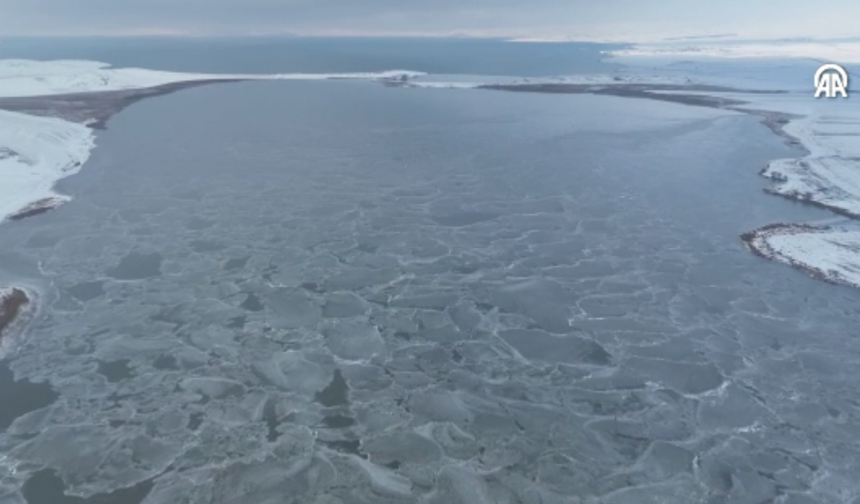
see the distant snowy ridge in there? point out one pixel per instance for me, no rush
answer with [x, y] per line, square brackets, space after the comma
[844, 52]
[36, 152]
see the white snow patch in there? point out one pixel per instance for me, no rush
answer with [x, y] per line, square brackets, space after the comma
[831, 253]
[35, 152]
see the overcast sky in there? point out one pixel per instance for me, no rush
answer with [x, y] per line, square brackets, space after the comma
[586, 19]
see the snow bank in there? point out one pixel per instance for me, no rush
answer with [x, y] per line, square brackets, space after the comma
[828, 253]
[830, 174]
[35, 152]
[834, 253]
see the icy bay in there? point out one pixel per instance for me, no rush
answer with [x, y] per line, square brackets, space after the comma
[351, 293]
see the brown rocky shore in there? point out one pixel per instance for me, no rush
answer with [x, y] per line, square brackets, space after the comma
[685, 94]
[12, 301]
[94, 108]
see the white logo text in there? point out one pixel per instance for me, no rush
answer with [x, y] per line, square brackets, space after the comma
[831, 79]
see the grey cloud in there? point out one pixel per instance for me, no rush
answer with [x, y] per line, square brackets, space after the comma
[514, 17]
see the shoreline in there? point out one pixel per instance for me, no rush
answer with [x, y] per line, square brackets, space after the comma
[57, 124]
[50, 110]
[87, 112]
[95, 108]
[807, 238]
[90, 109]
[758, 242]
[774, 120]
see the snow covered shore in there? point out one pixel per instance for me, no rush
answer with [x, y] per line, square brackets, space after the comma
[827, 175]
[826, 253]
[37, 151]
[772, 81]
[19, 78]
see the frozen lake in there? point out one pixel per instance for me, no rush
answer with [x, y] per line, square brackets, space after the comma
[337, 292]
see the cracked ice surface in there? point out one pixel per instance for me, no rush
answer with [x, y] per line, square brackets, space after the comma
[434, 302]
